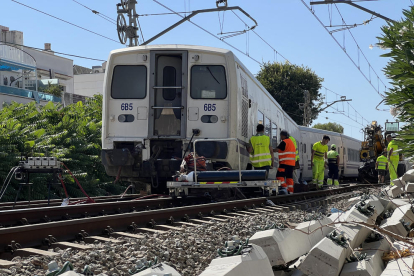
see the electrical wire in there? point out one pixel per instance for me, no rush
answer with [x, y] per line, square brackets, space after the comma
[10, 176]
[344, 49]
[60, 53]
[225, 42]
[67, 22]
[107, 18]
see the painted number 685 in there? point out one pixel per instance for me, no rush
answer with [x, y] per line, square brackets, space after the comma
[126, 106]
[209, 107]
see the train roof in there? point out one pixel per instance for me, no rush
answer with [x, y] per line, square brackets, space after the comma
[172, 47]
[327, 132]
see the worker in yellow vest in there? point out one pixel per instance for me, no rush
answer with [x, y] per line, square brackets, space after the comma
[393, 158]
[295, 171]
[381, 166]
[333, 163]
[319, 155]
[260, 150]
[287, 159]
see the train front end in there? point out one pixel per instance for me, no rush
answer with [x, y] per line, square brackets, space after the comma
[156, 98]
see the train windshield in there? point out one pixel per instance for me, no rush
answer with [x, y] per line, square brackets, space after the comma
[208, 82]
[129, 82]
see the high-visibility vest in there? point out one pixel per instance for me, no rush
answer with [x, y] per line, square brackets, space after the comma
[296, 147]
[382, 162]
[319, 150]
[288, 156]
[332, 157]
[395, 156]
[261, 154]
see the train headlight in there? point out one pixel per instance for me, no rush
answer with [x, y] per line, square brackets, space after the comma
[122, 118]
[209, 119]
[213, 119]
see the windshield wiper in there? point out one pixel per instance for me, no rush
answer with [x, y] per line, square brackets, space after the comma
[212, 75]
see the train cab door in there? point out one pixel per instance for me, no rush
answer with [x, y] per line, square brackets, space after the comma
[168, 94]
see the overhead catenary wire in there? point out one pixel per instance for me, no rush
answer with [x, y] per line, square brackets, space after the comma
[66, 22]
[210, 33]
[107, 18]
[344, 48]
[60, 53]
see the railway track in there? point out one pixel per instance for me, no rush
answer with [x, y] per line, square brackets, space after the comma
[128, 220]
[57, 202]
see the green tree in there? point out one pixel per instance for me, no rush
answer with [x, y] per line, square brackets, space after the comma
[71, 133]
[330, 127]
[286, 83]
[52, 89]
[398, 40]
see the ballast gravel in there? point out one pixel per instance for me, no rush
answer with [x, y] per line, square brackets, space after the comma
[189, 251]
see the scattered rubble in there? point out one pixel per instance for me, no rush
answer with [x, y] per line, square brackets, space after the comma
[339, 244]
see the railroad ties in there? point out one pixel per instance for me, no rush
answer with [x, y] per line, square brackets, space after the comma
[343, 243]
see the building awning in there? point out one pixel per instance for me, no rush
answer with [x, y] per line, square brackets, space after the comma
[8, 65]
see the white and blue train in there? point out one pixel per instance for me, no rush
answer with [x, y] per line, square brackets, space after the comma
[158, 98]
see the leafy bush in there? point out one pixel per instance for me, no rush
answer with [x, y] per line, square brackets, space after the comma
[398, 40]
[72, 134]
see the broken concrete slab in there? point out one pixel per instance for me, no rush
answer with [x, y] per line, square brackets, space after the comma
[402, 214]
[159, 270]
[372, 265]
[393, 191]
[325, 258]
[399, 182]
[253, 262]
[400, 267]
[283, 246]
[409, 188]
[408, 176]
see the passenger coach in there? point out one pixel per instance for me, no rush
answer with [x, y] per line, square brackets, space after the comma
[159, 98]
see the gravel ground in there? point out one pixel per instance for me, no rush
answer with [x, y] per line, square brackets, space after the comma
[189, 251]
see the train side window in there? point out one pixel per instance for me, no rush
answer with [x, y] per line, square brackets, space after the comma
[208, 82]
[274, 135]
[267, 126]
[129, 82]
[260, 117]
[304, 148]
[339, 150]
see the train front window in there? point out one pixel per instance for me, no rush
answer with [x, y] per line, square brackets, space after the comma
[129, 82]
[208, 82]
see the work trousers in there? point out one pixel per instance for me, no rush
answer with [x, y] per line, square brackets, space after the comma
[318, 171]
[285, 176]
[392, 167]
[333, 174]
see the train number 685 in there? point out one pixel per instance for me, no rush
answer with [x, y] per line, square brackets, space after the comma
[209, 107]
[126, 106]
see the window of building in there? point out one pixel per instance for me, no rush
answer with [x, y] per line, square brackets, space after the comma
[129, 82]
[208, 82]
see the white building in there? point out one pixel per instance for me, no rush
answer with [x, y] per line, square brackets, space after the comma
[24, 70]
[91, 83]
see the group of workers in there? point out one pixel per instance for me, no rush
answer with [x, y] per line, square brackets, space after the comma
[262, 157]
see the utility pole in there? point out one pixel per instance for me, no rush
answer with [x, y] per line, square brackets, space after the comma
[305, 106]
[131, 30]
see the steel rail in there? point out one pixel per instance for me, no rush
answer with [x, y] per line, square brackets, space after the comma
[33, 235]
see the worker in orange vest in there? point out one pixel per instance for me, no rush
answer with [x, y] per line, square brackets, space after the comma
[287, 159]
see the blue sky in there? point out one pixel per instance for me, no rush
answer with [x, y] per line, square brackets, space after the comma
[285, 24]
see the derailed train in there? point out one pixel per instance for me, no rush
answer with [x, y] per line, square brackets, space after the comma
[159, 98]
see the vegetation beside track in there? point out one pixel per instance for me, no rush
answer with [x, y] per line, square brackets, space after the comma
[71, 133]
